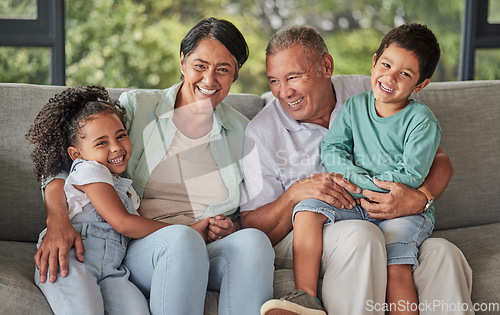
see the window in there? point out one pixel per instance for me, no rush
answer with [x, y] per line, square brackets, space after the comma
[135, 44]
[481, 37]
[27, 24]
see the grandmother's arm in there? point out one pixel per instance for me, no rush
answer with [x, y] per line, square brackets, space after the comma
[60, 237]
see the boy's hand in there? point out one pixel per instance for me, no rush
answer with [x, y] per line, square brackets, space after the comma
[220, 226]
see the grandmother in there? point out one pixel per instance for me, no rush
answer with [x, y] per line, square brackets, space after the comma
[184, 165]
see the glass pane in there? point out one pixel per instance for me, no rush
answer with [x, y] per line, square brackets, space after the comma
[487, 64]
[494, 12]
[25, 65]
[145, 53]
[18, 9]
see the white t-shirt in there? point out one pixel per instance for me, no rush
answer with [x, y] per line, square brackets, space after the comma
[86, 172]
[280, 150]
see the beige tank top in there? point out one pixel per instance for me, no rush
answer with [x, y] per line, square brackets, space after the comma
[184, 183]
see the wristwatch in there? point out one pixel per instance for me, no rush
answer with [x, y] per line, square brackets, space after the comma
[428, 205]
[430, 199]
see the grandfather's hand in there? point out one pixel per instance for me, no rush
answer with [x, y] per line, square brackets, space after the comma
[220, 227]
[54, 251]
[328, 187]
[399, 202]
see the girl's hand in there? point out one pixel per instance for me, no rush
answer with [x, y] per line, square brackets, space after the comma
[220, 226]
[202, 228]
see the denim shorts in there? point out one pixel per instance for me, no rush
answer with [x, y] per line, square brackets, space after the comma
[403, 235]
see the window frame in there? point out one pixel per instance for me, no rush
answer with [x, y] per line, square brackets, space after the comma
[477, 33]
[47, 30]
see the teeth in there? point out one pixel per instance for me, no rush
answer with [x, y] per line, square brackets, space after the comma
[205, 91]
[386, 88]
[292, 104]
[117, 160]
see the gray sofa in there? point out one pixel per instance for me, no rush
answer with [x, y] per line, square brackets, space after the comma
[468, 214]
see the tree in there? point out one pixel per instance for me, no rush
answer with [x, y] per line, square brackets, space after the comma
[129, 43]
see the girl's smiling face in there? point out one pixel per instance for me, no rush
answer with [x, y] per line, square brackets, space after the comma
[209, 71]
[103, 138]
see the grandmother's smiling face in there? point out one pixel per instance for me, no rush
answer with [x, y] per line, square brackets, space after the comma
[209, 71]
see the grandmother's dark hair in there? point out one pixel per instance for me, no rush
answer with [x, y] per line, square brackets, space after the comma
[57, 126]
[418, 39]
[221, 30]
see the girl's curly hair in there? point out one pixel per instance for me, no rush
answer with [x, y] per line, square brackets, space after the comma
[57, 126]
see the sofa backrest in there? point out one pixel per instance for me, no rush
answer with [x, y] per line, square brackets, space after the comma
[22, 214]
[469, 114]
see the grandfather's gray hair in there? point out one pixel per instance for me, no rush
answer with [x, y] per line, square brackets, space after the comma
[305, 35]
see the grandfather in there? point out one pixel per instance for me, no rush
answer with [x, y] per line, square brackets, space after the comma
[283, 167]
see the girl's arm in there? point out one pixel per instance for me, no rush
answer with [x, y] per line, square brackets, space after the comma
[60, 237]
[106, 201]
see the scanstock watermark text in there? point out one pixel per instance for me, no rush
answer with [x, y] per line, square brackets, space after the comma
[438, 306]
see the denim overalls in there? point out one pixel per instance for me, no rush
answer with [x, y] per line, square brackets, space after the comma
[101, 284]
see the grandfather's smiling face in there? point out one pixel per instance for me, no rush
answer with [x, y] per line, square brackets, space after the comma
[300, 85]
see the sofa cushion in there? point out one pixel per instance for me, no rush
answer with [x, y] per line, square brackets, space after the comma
[481, 248]
[469, 114]
[19, 295]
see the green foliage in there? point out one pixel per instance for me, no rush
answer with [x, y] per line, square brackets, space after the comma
[129, 43]
[25, 65]
[18, 8]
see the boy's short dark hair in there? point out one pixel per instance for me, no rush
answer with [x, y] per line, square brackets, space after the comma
[418, 39]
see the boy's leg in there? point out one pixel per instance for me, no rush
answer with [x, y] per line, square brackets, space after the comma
[307, 250]
[401, 293]
[403, 236]
[308, 218]
[346, 251]
[77, 293]
[241, 269]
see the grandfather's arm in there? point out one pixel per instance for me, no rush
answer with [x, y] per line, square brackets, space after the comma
[275, 218]
[402, 200]
[60, 236]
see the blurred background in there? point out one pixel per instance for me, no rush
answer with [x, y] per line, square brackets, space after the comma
[135, 44]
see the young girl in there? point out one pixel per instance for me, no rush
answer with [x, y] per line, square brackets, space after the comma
[82, 129]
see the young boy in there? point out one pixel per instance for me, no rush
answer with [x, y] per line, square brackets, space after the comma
[380, 134]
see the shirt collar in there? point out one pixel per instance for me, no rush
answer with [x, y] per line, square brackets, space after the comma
[289, 122]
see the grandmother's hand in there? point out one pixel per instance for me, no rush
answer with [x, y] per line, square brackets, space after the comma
[54, 251]
[220, 226]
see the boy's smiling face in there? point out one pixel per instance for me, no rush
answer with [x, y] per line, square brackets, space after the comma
[394, 77]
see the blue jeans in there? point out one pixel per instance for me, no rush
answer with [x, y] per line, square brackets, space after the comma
[403, 235]
[100, 284]
[173, 267]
